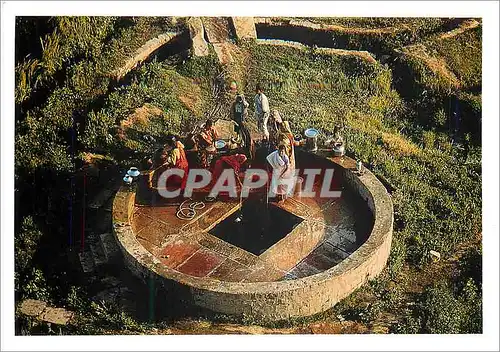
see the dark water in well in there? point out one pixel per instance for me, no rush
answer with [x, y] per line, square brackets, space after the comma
[256, 226]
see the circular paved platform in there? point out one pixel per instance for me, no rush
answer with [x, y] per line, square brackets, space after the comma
[317, 253]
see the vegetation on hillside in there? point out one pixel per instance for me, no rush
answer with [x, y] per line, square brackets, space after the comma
[399, 118]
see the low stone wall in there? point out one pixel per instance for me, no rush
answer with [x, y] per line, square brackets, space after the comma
[302, 23]
[273, 301]
[365, 55]
[143, 53]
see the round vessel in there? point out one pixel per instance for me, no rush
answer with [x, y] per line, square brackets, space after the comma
[133, 171]
[311, 139]
[220, 144]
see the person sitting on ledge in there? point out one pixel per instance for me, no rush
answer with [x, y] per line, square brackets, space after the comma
[205, 144]
[173, 156]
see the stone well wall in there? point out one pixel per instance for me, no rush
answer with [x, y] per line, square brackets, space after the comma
[272, 301]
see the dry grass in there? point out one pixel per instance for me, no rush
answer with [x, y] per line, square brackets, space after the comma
[394, 142]
[237, 70]
[141, 116]
[399, 145]
[329, 27]
[435, 63]
[464, 26]
[189, 94]
[92, 158]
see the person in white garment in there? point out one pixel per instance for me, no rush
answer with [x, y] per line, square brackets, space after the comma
[281, 180]
[261, 111]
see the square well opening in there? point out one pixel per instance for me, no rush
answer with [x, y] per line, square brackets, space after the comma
[256, 226]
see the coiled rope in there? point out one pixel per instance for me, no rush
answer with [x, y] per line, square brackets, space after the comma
[189, 212]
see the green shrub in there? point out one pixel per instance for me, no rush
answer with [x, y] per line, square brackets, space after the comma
[38, 145]
[429, 139]
[97, 131]
[397, 257]
[29, 279]
[440, 118]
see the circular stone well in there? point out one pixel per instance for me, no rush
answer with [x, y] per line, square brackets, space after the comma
[316, 253]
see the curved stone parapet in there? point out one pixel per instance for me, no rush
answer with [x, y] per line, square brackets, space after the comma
[272, 300]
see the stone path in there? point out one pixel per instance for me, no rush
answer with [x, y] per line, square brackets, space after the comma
[40, 310]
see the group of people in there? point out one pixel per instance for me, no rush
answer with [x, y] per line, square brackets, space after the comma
[276, 134]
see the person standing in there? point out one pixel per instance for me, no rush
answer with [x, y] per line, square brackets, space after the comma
[285, 138]
[262, 110]
[275, 121]
[239, 112]
[280, 178]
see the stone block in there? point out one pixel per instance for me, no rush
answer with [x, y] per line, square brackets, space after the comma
[230, 270]
[295, 246]
[223, 53]
[197, 34]
[201, 263]
[216, 28]
[177, 252]
[244, 27]
[86, 261]
[217, 245]
[32, 307]
[108, 242]
[304, 270]
[244, 257]
[59, 316]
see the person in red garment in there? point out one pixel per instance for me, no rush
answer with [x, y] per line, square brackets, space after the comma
[235, 162]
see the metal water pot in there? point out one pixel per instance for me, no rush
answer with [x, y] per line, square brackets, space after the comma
[311, 139]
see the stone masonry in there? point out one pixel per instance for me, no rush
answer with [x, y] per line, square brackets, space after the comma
[272, 300]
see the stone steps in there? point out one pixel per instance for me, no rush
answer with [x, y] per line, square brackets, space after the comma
[103, 249]
[108, 242]
[86, 262]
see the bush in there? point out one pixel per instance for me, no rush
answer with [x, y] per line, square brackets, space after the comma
[429, 139]
[29, 280]
[397, 257]
[97, 132]
[444, 313]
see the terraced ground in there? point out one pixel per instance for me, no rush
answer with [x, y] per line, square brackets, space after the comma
[406, 91]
